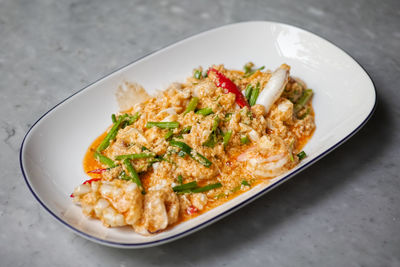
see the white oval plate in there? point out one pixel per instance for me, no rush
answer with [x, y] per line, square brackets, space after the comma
[52, 151]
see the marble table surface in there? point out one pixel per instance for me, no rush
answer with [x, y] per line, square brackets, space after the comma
[343, 211]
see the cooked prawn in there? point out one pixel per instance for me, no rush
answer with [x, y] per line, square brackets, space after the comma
[270, 158]
[115, 203]
[161, 208]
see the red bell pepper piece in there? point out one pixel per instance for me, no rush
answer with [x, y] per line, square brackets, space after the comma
[191, 209]
[97, 171]
[224, 82]
[91, 180]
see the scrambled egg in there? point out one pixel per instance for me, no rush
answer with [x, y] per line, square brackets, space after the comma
[195, 146]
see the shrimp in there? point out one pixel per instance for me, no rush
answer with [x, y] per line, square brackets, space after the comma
[119, 203]
[199, 200]
[115, 203]
[270, 158]
[189, 203]
[274, 88]
[161, 208]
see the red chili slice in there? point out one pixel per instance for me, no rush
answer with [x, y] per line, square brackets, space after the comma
[224, 82]
[192, 209]
[91, 180]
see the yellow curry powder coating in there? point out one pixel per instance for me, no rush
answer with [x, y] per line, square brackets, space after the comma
[279, 128]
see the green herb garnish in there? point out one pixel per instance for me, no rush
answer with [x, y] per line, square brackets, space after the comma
[189, 151]
[248, 69]
[247, 92]
[206, 188]
[228, 117]
[180, 179]
[103, 159]
[254, 95]
[244, 140]
[186, 130]
[120, 122]
[192, 105]
[227, 137]
[213, 138]
[204, 111]
[134, 177]
[302, 155]
[163, 124]
[303, 100]
[168, 135]
[184, 187]
[245, 183]
[136, 156]
[192, 187]
[110, 135]
[197, 74]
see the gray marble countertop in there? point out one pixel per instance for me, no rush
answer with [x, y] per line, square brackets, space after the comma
[342, 211]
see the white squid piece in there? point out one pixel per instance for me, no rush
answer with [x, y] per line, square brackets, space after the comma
[274, 88]
[161, 208]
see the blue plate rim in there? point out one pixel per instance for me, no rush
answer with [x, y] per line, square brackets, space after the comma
[226, 212]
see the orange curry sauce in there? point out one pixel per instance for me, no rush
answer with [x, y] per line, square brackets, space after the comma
[90, 163]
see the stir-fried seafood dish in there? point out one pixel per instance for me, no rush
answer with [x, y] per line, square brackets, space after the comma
[195, 146]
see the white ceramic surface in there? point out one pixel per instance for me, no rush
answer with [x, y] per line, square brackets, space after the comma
[52, 151]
